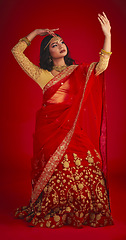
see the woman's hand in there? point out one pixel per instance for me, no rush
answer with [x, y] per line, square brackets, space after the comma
[105, 24]
[43, 32]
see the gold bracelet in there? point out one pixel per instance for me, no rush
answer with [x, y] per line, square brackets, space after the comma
[25, 39]
[104, 52]
[105, 56]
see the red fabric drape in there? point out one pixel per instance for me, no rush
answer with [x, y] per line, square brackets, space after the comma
[81, 89]
[69, 157]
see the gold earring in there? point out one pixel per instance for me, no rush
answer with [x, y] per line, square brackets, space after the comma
[50, 59]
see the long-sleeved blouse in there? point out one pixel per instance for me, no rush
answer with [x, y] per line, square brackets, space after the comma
[39, 75]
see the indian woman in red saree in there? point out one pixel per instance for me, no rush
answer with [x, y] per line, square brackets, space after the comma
[69, 178]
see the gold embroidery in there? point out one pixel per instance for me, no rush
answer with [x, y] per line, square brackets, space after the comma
[56, 218]
[102, 65]
[38, 213]
[68, 209]
[47, 217]
[103, 182]
[74, 187]
[100, 205]
[89, 157]
[48, 224]
[80, 186]
[77, 160]
[76, 177]
[86, 176]
[66, 164]
[97, 154]
[81, 215]
[98, 216]
[64, 217]
[65, 161]
[85, 198]
[91, 196]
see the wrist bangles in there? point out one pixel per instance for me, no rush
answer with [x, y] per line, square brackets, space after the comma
[25, 39]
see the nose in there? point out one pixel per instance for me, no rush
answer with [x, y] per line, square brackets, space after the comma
[60, 44]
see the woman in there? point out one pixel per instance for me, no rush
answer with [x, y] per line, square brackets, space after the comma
[69, 159]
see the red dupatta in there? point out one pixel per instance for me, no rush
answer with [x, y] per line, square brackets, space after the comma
[83, 105]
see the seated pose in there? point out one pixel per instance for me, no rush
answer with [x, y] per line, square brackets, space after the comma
[69, 177]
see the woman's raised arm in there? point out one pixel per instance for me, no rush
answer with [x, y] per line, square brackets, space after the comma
[106, 50]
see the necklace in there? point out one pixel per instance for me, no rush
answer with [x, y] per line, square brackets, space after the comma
[59, 68]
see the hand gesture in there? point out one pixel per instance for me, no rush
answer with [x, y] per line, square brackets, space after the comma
[105, 24]
[43, 32]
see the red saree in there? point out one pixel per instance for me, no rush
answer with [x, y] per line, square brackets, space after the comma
[69, 157]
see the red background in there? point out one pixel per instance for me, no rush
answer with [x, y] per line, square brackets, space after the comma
[21, 97]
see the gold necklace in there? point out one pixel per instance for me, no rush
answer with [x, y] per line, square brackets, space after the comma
[59, 68]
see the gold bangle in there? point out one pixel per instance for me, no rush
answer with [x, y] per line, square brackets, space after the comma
[105, 56]
[25, 39]
[104, 52]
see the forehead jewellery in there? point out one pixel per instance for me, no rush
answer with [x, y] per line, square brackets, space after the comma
[55, 37]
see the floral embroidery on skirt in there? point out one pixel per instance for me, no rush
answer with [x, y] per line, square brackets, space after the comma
[75, 195]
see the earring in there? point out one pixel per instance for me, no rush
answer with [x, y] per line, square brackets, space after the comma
[50, 59]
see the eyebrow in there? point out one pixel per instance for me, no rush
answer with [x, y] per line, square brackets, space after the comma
[56, 42]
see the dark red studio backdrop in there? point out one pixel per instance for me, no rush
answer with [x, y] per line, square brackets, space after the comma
[21, 97]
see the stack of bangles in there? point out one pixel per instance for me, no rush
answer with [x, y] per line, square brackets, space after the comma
[103, 52]
[25, 39]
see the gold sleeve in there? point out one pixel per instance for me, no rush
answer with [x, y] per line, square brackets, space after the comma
[31, 69]
[102, 64]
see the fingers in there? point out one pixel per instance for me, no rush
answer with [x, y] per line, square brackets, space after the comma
[54, 29]
[51, 31]
[103, 18]
[43, 32]
[100, 20]
[104, 15]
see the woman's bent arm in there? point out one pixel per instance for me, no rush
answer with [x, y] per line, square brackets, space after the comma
[41, 32]
[31, 69]
[18, 51]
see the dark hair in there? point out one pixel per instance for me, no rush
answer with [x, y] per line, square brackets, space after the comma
[45, 62]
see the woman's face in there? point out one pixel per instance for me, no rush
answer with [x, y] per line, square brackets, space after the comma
[57, 48]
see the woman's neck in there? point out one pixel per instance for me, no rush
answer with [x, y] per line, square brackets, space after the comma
[59, 62]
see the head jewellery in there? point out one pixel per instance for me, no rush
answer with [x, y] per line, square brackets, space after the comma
[55, 37]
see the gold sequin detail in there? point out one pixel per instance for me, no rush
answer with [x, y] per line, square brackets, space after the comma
[68, 209]
[80, 186]
[77, 177]
[65, 161]
[81, 215]
[98, 216]
[56, 218]
[77, 160]
[89, 157]
[48, 224]
[66, 164]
